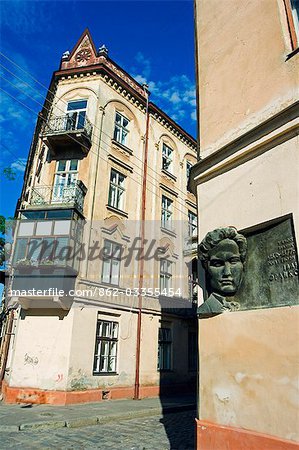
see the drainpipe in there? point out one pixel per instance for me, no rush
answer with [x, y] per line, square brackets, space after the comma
[141, 265]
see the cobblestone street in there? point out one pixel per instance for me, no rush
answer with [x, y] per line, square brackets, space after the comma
[174, 431]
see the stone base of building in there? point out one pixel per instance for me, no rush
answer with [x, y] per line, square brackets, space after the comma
[51, 397]
[212, 436]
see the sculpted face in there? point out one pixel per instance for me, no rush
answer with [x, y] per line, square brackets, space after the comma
[225, 268]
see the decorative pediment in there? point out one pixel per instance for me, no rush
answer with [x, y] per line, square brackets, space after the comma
[168, 190]
[114, 229]
[168, 177]
[83, 54]
[167, 248]
[191, 199]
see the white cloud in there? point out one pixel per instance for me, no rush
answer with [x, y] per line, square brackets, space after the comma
[19, 165]
[176, 96]
[140, 79]
[143, 70]
[27, 16]
[20, 103]
[152, 86]
[144, 63]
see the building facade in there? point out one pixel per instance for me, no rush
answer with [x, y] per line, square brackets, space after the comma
[106, 178]
[247, 177]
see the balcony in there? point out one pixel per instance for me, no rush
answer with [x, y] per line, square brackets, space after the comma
[71, 132]
[46, 255]
[61, 196]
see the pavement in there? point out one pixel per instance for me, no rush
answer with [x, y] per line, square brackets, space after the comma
[32, 418]
[173, 431]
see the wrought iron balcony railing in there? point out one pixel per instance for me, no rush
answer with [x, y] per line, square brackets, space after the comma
[70, 132]
[74, 122]
[72, 196]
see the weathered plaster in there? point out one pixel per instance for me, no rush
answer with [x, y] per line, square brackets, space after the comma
[249, 364]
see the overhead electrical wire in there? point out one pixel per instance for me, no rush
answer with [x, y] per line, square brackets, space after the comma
[63, 101]
[95, 127]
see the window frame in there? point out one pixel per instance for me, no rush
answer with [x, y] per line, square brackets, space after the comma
[189, 166]
[118, 188]
[167, 158]
[75, 117]
[165, 274]
[164, 343]
[111, 339]
[294, 34]
[111, 257]
[192, 224]
[166, 212]
[119, 129]
[70, 180]
[54, 244]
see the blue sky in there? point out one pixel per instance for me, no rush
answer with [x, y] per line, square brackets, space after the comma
[152, 40]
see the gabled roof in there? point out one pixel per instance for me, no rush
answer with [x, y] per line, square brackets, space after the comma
[84, 53]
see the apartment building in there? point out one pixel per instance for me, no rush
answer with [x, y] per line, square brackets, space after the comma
[106, 181]
[247, 177]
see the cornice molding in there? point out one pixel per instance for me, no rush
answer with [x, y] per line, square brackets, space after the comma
[125, 85]
[273, 132]
[120, 163]
[121, 148]
[191, 204]
[168, 190]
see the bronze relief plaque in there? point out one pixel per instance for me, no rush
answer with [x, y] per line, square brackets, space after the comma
[271, 269]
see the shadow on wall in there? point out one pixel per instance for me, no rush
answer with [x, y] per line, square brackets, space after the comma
[177, 365]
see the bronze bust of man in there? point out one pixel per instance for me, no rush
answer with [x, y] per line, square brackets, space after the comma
[222, 253]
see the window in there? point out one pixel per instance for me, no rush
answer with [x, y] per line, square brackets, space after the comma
[292, 9]
[76, 112]
[48, 214]
[65, 179]
[165, 275]
[166, 215]
[188, 169]
[121, 128]
[192, 224]
[111, 263]
[167, 157]
[164, 349]
[116, 190]
[52, 235]
[192, 351]
[106, 347]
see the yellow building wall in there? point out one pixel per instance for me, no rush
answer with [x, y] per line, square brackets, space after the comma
[248, 369]
[242, 71]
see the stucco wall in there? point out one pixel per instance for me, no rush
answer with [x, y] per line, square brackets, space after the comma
[249, 360]
[40, 354]
[179, 373]
[83, 347]
[103, 100]
[102, 103]
[249, 364]
[244, 77]
[264, 188]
